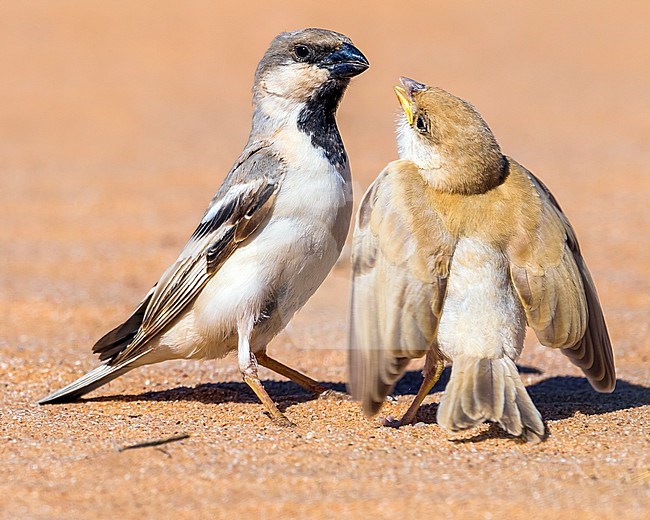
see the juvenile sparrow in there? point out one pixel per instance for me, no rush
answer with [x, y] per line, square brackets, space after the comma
[456, 247]
[269, 237]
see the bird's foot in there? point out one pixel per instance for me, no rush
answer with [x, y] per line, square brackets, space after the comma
[391, 422]
[282, 421]
[334, 395]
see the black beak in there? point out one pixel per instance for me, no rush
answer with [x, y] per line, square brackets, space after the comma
[346, 62]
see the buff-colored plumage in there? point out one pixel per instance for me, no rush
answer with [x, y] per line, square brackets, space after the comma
[400, 267]
[454, 221]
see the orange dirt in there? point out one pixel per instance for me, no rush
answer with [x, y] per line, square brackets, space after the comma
[118, 121]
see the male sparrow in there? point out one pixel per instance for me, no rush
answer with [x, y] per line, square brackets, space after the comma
[269, 237]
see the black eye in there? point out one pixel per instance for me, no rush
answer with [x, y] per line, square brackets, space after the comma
[421, 123]
[302, 52]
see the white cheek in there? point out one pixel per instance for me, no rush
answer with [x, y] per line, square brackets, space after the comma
[286, 90]
[412, 147]
[295, 81]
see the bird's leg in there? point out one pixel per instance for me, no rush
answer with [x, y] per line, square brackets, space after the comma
[288, 372]
[432, 370]
[248, 367]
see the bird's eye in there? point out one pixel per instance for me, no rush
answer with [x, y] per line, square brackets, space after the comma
[302, 52]
[421, 123]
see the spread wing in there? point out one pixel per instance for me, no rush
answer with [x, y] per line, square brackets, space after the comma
[400, 259]
[558, 293]
[242, 203]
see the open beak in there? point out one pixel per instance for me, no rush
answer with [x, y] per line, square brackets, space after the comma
[405, 101]
[405, 96]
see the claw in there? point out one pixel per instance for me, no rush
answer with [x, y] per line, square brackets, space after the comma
[334, 395]
[283, 422]
[391, 422]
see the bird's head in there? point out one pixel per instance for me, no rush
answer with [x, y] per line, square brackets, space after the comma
[447, 139]
[301, 65]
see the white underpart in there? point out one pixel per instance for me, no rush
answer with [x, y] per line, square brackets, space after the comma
[482, 317]
[291, 255]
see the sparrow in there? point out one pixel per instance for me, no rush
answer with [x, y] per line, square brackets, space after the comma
[456, 248]
[267, 240]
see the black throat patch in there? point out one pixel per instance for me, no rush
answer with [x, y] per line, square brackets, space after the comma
[318, 120]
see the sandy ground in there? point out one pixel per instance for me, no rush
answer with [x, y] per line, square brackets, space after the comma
[118, 121]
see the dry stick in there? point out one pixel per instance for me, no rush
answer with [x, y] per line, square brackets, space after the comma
[156, 442]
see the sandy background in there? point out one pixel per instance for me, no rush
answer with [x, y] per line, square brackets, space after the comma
[118, 121]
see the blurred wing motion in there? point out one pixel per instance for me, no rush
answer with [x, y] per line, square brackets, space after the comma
[242, 203]
[558, 294]
[400, 273]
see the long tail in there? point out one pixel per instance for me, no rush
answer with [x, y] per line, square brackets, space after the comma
[489, 390]
[93, 379]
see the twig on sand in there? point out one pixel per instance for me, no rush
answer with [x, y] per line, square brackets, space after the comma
[157, 442]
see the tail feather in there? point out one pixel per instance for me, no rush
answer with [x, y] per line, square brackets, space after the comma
[511, 418]
[489, 390]
[93, 379]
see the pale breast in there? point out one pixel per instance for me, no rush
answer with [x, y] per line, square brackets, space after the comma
[482, 315]
[287, 259]
[312, 187]
[315, 201]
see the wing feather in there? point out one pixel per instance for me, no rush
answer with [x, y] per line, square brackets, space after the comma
[401, 255]
[558, 293]
[243, 202]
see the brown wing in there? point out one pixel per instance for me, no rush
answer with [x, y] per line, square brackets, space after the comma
[400, 259]
[558, 293]
[233, 215]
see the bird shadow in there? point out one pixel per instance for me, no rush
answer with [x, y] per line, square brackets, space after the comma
[410, 382]
[284, 393]
[556, 398]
